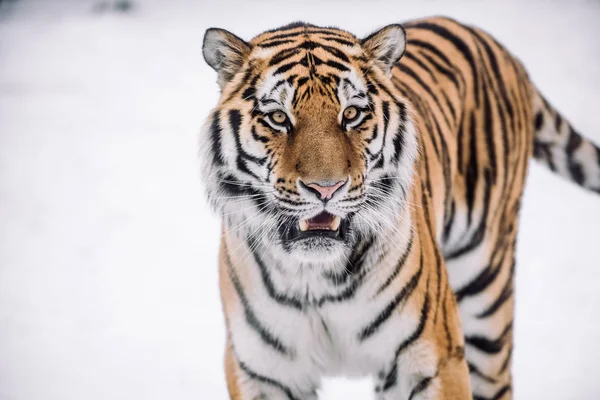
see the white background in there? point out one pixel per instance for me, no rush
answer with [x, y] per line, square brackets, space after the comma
[108, 253]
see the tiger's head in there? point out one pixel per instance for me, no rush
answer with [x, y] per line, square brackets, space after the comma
[311, 146]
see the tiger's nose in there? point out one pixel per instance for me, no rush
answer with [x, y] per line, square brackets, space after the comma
[323, 190]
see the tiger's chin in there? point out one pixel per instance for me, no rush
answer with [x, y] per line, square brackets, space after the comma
[317, 251]
[323, 238]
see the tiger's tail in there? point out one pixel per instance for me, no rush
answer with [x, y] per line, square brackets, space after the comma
[562, 149]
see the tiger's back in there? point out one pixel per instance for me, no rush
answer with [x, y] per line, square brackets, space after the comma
[481, 119]
[474, 108]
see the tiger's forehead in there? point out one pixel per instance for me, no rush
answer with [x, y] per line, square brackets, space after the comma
[297, 32]
[305, 61]
[303, 86]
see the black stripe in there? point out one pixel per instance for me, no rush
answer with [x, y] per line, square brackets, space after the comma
[488, 129]
[541, 151]
[386, 116]
[257, 137]
[398, 141]
[445, 317]
[285, 35]
[235, 120]
[378, 164]
[308, 45]
[301, 82]
[460, 138]
[371, 87]
[346, 294]
[575, 169]
[506, 361]
[249, 93]
[472, 169]
[407, 70]
[384, 187]
[337, 40]
[424, 109]
[460, 46]
[337, 65]
[380, 85]
[420, 387]
[496, 396]
[489, 346]
[451, 75]
[433, 49]
[430, 120]
[479, 233]
[494, 64]
[391, 378]
[349, 291]
[334, 52]
[501, 98]
[473, 370]
[385, 109]
[438, 261]
[354, 265]
[275, 86]
[449, 222]
[314, 30]
[505, 294]
[410, 56]
[399, 264]
[426, 183]
[215, 138]
[490, 272]
[504, 122]
[279, 297]
[370, 139]
[285, 67]
[307, 29]
[274, 43]
[251, 318]
[449, 105]
[479, 283]
[230, 186]
[418, 330]
[243, 82]
[558, 123]
[292, 202]
[283, 55]
[445, 158]
[268, 381]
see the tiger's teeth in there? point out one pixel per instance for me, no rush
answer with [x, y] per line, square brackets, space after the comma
[335, 224]
[303, 225]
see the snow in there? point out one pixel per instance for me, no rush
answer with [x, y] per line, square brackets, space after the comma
[108, 252]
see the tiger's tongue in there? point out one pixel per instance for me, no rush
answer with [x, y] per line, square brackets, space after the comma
[323, 221]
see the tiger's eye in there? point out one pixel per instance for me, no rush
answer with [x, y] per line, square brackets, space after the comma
[279, 117]
[350, 113]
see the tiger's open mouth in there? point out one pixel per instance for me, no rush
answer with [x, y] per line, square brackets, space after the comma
[321, 222]
[323, 225]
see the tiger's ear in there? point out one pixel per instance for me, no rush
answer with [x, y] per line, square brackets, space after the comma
[225, 53]
[386, 46]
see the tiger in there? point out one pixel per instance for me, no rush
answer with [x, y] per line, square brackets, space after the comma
[369, 192]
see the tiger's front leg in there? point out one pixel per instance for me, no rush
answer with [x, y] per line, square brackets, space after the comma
[449, 381]
[262, 357]
[430, 362]
[245, 384]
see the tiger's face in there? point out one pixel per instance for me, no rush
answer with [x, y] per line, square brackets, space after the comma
[311, 146]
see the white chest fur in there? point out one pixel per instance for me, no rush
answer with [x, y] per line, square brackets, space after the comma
[298, 328]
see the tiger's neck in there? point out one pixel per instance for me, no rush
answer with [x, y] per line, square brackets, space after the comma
[370, 263]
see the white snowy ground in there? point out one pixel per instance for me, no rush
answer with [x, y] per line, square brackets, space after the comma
[108, 283]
